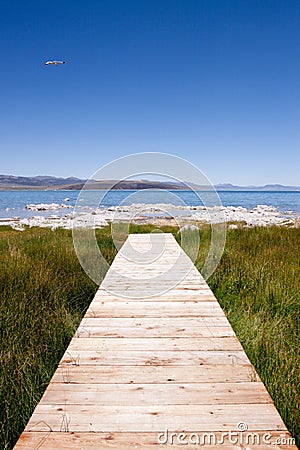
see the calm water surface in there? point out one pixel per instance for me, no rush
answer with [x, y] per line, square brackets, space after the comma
[12, 203]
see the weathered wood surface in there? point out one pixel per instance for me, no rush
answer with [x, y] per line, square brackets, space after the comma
[140, 364]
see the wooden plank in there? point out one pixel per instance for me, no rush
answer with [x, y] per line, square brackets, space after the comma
[180, 293]
[86, 418]
[165, 322]
[153, 358]
[154, 309]
[156, 394]
[169, 296]
[154, 344]
[155, 374]
[152, 331]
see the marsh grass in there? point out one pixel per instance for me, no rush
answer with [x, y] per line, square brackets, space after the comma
[257, 283]
[45, 293]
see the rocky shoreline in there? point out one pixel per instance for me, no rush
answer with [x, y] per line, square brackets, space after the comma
[261, 215]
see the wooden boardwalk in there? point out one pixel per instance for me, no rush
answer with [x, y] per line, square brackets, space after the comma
[139, 365]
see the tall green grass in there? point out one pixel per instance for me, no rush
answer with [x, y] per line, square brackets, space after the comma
[44, 294]
[257, 283]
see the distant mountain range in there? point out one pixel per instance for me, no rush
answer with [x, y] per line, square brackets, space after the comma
[266, 187]
[11, 183]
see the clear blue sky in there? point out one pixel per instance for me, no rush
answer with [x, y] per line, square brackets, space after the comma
[213, 81]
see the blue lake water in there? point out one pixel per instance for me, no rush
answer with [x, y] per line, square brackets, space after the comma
[12, 203]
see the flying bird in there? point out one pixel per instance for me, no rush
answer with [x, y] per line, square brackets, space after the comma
[54, 63]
